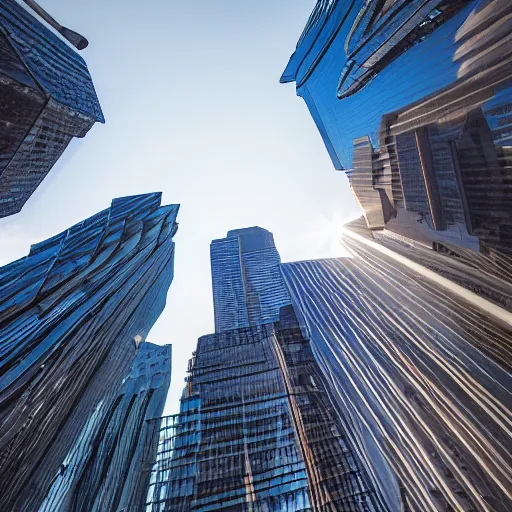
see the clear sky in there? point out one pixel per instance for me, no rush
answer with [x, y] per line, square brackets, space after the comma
[193, 108]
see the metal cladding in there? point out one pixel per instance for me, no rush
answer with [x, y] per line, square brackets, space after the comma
[420, 369]
[413, 100]
[257, 431]
[72, 314]
[46, 98]
[247, 285]
[391, 392]
[108, 467]
[488, 276]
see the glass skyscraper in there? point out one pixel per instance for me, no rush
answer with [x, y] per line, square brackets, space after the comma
[413, 101]
[246, 279]
[46, 98]
[257, 431]
[107, 468]
[74, 313]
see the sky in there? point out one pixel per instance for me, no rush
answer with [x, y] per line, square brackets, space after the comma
[193, 108]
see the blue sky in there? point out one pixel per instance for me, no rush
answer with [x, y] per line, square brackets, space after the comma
[193, 108]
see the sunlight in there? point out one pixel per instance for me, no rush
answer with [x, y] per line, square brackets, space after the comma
[327, 236]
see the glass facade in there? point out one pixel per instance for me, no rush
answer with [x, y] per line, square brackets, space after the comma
[381, 387]
[230, 302]
[413, 101]
[73, 313]
[246, 279]
[257, 431]
[46, 98]
[428, 84]
[108, 467]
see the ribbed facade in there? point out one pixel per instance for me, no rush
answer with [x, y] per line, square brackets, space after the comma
[421, 374]
[46, 98]
[246, 279]
[257, 431]
[487, 275]
[108, 467]
[371, 200]
[73, 313]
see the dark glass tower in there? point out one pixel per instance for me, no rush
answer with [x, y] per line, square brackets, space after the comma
[107, 467]
[46, 98]
[413, 101]
[420, 369]
[257, 431]
[73, 313]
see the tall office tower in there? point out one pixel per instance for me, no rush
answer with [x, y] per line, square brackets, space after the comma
[72, 314]
[46, 98]
[420, 368]
[257, 431]
[107, 468]
[246, 278]
[413, 101]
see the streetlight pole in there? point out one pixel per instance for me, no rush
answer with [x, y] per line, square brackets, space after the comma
[76, 39]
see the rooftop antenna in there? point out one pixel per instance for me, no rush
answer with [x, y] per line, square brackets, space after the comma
[76, 39]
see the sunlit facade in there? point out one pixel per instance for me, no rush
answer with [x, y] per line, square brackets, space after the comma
[420, 371]
[46, 98]
[413, 101]
[74, 313]
[382, 387]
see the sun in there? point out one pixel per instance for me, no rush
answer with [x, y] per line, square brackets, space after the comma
[327, 236]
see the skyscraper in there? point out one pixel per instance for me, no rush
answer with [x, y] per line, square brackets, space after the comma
[356, 61]
[46, 98]
[257, 431]
[73, 313]
[107, 468]
[421, 370]
[246, 278]
[413, 101]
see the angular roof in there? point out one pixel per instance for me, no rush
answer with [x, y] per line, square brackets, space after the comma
[56, 68]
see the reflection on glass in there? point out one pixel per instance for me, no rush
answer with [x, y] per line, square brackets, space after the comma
[414, 101]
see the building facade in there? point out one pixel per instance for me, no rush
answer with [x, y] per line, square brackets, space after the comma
[491, 278]
[246, 279]
[46, 98]
[384, 385]
[73, 314]
[413, 101]
[421, 370]
[107, 467]
[257, 431]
